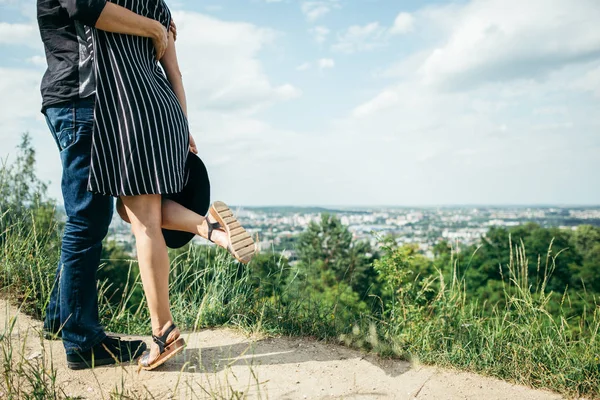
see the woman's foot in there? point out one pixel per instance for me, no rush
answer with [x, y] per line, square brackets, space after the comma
[216, 235]
[166, 344]
[171, 337]
[239, 242]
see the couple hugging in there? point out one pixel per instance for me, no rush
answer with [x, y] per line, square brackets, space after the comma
[120, 123]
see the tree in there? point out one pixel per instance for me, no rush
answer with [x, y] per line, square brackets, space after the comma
[28, 225]
[586, 242]
[269, 273]
[24, 205]
[328, 246]
[334, 275]
[483, 267]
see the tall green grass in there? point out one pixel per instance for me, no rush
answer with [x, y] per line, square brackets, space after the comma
[28, 260]
[426, 318]
[521, 341]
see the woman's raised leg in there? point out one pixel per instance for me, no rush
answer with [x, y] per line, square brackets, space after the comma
[178, 218]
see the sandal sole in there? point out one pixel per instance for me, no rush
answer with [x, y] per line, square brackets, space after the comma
[170, 351]
[241, 245]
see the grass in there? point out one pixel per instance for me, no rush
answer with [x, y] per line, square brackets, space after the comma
[425, 318]
[24, 377]
[521, 341]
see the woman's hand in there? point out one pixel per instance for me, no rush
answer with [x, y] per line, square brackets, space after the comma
[193, 147]
[160, 39]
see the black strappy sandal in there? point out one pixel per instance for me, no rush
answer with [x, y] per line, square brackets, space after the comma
[167, 350]
[211, 227]
[241, 245]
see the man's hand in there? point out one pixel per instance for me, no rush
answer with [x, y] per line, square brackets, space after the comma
[173, 29]
[160, 39]
[193, 147]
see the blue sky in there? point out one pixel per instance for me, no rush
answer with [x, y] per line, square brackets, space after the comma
[367, 102]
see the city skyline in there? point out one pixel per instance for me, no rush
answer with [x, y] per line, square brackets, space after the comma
[278, 228]
[356, 103]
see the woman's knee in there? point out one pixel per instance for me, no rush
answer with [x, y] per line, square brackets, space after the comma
[144, 214]
[149, 227]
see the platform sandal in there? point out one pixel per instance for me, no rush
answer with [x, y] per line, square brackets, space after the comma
[241, 245]
[167, 350]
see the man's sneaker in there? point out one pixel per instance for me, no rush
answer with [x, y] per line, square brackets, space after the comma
[111, 350]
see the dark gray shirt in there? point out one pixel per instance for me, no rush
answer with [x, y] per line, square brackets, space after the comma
[66, 34]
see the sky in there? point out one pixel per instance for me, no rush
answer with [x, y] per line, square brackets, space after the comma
[365, 102]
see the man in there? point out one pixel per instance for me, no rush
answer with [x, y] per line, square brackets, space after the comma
[68, 89]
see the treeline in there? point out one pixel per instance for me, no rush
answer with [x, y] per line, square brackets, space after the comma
[567, 262]
[332, 269]
[336, 272]
[520, 305]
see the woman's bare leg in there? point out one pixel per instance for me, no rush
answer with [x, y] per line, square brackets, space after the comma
[144, 212]
[178, 218]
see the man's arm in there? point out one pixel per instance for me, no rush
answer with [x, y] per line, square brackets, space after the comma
[114, 18]
[118, 19]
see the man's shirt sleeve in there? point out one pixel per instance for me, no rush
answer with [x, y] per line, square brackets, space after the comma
[84, 11]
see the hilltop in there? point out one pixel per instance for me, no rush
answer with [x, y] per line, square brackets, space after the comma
[223, 363]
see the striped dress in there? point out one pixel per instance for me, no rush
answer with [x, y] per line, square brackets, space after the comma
[141, 137]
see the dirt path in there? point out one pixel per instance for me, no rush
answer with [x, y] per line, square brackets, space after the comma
[226, 364]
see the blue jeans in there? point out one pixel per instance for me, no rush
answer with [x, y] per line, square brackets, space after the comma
[73, 302]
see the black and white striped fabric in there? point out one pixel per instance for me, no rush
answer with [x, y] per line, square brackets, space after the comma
[141, 136]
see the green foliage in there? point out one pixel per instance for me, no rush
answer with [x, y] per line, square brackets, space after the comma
[408, 283]
[521, 339]
[269, 274]
[334, 275]
[328, 246]
[29, 231]
[482, 268]
[586, 243]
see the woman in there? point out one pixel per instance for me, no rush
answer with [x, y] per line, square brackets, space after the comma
[140, 145]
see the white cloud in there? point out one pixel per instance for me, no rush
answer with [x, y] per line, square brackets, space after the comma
[287, 92]
[19, 34]
[320, 33]
[39, 61]
[458, 147]
[361, 38]
[496, 140]
[494, 40]
[589, 82]
[385, 99]
[303, 67]
[322, 63]
[314, 10]
[19, 113]
[213, 8]
[220, 65]
[24, 100]
[403, 23]
[357, 38]
[226, 85]
[513, 115]
[326, 63]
